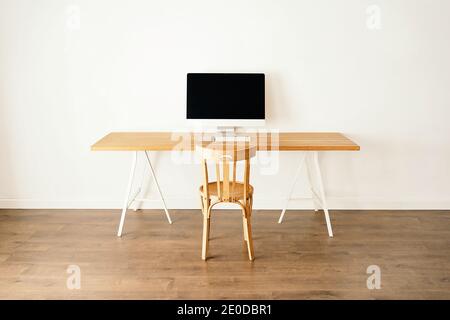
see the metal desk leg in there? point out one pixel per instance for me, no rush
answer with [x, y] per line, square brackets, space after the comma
[317, 198]
[158, 188]
[297, 175]
[322, 193]
[127, 194]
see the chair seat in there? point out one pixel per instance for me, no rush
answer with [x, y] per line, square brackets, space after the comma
[237, 192]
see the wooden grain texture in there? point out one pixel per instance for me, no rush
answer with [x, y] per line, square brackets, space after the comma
[155, 260]
[184, 141]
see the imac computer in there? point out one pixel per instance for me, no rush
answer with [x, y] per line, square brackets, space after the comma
[226, 101]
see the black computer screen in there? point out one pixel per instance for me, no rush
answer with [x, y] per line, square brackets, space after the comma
[225, 96]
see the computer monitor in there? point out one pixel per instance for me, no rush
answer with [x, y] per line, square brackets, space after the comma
[226, 99]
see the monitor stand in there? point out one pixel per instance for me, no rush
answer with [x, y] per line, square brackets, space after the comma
[230, 134]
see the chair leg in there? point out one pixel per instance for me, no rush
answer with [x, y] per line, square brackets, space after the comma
[206, 205]
[247, 211]
[202, 203]
[209, 228]
[205, 241]
[244, 226]
[244, 214]
[249, 237]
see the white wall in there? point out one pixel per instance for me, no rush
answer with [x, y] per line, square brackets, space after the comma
[124, 68]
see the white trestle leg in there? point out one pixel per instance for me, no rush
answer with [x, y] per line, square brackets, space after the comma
[137, 205]
[127, 194]
[311, 184]
[322, 193]
[129, 200]
[158, 188]
[297, 175]
[311, 158]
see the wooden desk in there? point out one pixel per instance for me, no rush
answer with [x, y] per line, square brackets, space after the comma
[312, 142]
[167, 141]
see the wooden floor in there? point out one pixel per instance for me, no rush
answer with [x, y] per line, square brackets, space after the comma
[155, 260]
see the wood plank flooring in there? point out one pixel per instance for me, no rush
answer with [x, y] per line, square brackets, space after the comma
[155, 260]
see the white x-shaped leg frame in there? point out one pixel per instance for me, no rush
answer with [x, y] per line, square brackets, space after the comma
[129, 200]
[311, 160]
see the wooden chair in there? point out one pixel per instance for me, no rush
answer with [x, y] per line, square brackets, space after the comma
[224, 189]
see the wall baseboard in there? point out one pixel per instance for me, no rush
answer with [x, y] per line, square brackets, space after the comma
[261, 203]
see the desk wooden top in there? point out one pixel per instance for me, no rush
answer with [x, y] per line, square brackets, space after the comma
[185, 141]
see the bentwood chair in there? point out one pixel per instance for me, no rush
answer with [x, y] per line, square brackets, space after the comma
[225, 189]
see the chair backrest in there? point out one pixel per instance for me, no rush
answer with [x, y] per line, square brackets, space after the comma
[224, 155]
